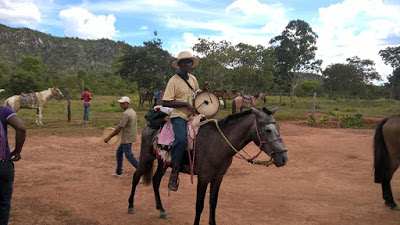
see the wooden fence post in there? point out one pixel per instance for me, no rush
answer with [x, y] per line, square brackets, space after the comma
[314, 102]
[68, 104]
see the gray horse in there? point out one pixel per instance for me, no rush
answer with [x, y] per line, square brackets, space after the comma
[214, 155]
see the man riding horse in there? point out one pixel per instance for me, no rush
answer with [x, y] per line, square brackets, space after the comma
[179, 94]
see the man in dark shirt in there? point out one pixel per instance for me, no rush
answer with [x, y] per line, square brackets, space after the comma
[8, 116]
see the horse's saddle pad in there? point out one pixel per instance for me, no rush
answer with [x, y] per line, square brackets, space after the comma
[28, 100]
[247, 99]
[165, 137]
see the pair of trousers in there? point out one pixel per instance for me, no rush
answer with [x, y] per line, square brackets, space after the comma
[180, 142]
[126, 149]
[86, 109]
[6, 188]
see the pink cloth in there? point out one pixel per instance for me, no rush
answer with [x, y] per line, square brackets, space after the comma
[166, 136]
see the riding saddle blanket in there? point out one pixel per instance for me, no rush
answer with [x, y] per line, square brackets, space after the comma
[247, 100]
[165, 137]
[29, 100]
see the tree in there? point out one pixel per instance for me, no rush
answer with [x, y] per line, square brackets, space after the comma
[308, 86]
[366, 69]
[391, 56]
[340, 79]
[5, 74]
[22, 81]
[241, 67]
[148, 66]
[295, 50]
[34, 67]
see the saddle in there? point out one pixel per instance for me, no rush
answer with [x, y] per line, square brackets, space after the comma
[162, 144]
[247, 100]
[30, 99]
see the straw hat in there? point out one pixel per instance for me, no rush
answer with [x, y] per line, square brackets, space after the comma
[107, 132]
[185, 55]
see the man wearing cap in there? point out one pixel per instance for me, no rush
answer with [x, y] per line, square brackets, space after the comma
[179, 94]
[128, 126]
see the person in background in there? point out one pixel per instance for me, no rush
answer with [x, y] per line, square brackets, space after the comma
[86, 97]
[128, 129]
[8, 116]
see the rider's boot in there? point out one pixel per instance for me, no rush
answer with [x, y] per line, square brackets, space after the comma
[173, 179]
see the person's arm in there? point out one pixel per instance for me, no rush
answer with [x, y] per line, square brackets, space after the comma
[20, 135]
[115, 132]
[176, 104]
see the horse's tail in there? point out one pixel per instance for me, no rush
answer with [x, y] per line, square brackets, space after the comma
[381, 154]
[234, 106]
[146, 158]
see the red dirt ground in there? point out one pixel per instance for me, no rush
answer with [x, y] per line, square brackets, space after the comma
[328, 180]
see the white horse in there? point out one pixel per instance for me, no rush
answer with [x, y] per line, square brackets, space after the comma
[33, 101]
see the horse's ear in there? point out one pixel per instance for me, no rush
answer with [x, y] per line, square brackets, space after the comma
[274, 110]
[257, 112]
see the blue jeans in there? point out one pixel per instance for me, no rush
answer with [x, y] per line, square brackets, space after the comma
[127, 149]
[180, 142]
[86, 109]
[6, 187]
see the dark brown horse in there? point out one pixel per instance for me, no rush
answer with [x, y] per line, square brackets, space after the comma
[145, 96]
[213, 155]
[225, 95]
[387, 156]
[247, 101]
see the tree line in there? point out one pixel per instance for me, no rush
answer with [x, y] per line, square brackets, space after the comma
[288, 65]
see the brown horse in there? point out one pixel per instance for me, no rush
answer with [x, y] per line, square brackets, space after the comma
[145, 96]
[247, 101]
[387, 156]
[225, 95]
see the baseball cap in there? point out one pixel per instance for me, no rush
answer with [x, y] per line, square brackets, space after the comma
[125, 99]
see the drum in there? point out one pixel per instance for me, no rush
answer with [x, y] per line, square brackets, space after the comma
[107, 131]
[206, 103]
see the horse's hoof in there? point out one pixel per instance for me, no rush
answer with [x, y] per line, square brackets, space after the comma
[396, 208]
[131, 210]
[163, 215]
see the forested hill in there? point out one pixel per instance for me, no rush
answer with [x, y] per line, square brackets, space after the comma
[70, 54]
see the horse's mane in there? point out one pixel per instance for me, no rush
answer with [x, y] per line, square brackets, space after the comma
[234, 117]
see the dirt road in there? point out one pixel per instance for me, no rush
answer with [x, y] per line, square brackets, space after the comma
[328, 180]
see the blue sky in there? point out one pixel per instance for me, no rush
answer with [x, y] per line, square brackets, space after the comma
[345, 28]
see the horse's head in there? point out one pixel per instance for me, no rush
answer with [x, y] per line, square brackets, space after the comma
[267, 136]
[56, 93]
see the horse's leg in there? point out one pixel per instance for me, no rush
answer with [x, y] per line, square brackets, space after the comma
[387, 191]
[156, 187]
[224, 99]
[201, 193]
[214, 190]
[37, 116]
[135, 181]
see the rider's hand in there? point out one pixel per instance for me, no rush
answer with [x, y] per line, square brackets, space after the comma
[191, 109]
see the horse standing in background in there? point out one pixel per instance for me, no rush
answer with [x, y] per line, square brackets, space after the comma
[35, 100]
[225, 95]
[247, 101]
[145, 97]
[387, 156]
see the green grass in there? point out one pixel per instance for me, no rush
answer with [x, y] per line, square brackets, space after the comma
[105, 112]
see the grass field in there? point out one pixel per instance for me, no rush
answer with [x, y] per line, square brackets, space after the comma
[105, 112]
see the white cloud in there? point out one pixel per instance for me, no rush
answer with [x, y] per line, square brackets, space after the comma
[19, 12]
[144, 27]
[79, 22]
[356, 28]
